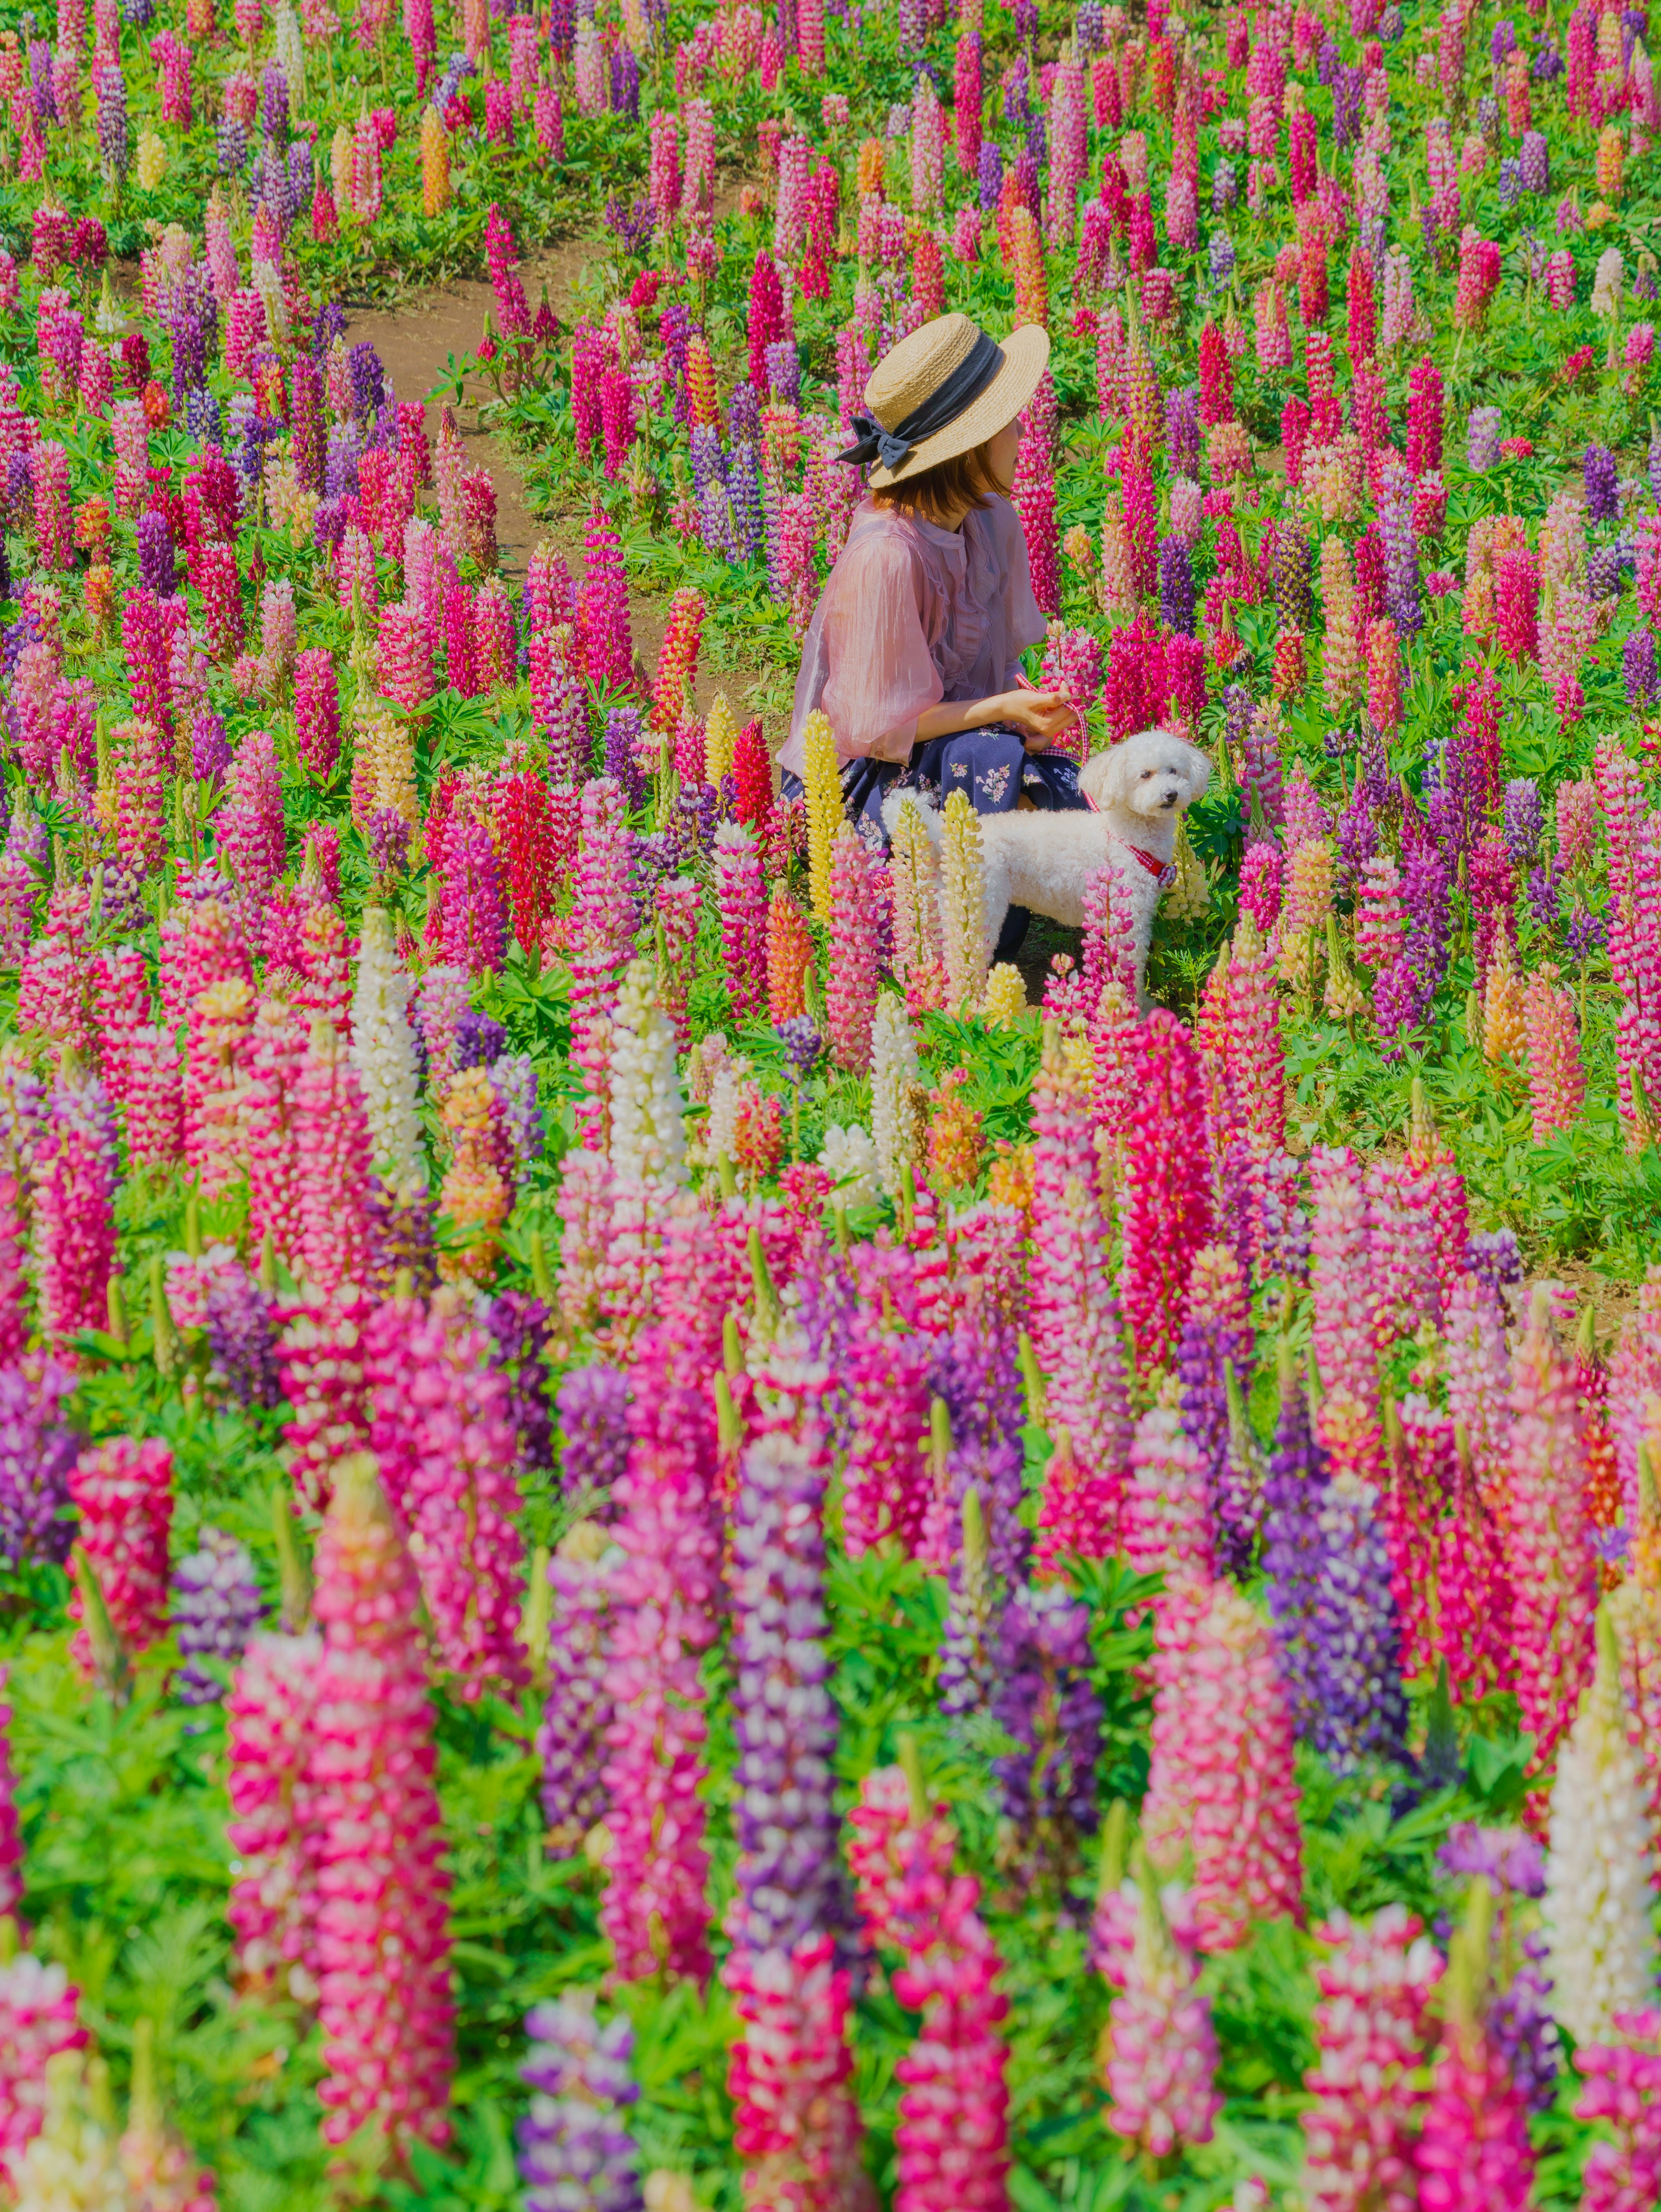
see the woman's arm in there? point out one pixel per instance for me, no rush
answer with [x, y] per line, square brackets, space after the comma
[1040, 715]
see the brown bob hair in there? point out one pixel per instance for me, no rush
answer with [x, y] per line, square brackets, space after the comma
[963, 481]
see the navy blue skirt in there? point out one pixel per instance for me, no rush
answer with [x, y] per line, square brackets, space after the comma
[991, 767]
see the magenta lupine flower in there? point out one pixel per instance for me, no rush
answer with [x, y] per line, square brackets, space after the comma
[447, 1445]
[885, 1484]
[1622, 2088]
[383, 1947]
[952, 2140]
[270, 1719]
[850, 991]
[248, 828]
[603, 607]
[11, 1842]
[123, 1491]
[472, 916]
[1635, 934]
[1474, 2153]
[741, 900]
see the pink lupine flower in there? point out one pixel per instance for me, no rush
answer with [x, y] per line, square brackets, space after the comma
[1622, 2088]
[333, 1151]
[1159, 2049]
[1254, 1058]
[655, 1911]
[951, 2140]
[39, 2006]
[1341, 1276]
[794, 2113]
[1554, 1570]
[383, 1947]
[1166, 1202]
[741, 900]
[1372, 2027]
[123, 1491]
[270, 1713]
[601, 933]
[1557, 1081]
[1222, 1783]
[1474, 2153]
[73, 1207]
[321, 1357]
[444, 1433]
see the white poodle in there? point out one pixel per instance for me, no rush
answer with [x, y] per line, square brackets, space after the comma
[1041, 861]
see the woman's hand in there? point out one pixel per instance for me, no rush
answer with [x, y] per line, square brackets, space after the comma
[1043, 715]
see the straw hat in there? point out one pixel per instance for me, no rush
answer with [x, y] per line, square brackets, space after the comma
[909, 375]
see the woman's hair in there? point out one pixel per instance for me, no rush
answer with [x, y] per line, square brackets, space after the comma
[962, 481]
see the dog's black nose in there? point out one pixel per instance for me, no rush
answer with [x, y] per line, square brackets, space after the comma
[1170, 799]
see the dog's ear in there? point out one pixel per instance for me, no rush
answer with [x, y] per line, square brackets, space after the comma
[1198, 766]
[1103, 777]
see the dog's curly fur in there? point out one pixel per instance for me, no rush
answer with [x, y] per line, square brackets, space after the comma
[1042, 862]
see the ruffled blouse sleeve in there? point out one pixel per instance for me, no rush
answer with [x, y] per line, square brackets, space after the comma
[866, 660]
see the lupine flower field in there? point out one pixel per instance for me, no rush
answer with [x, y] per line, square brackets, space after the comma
[665, 1540]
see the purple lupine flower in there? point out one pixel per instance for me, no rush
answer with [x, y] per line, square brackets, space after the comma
[274, 100]
[1176, 586]
[1510, 182]
[1482, 438]
[1426, 883]
[113, 122]
[1600, 474]
[1220, 256]
[1637, 668]
[623, 725]
[1260, 777]
[1492, 1257]
[1547, 65]
[37, 1450]
[217, 1608]
[232, 140]
[403, 1231]
[802, 1046]
[389, 845]
[1604, 564]
[744, 491]
[1534, 161]
[1363, 1709]
[975, 1375]
[1182, 429]
[1045, 1699]
[201, 409]
[1525, 818]
[790, 1873]
[1502, 40]
[1402, 595]
[1224, 194]
[1586, 933]
[1358, 836]
[1349, 87]
[1284, 1225]
[743, 415]
[340, 459]
[156, 570]
[1520, 2016]
[1206, 1344]
[990, 178]
[478, 1039]
[367, 379]
[784, 370]
[575, 2153]
[519, 1326]
[592, 1403]
[1295, 1548]
[1292, 568]
[578, 1710]
[1543, 889]
[1488, 116]
[1237, 713]
[241, 1338]
[513, 1087]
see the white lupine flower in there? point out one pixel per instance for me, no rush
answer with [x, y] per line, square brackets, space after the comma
[850, 1157]
[384, 1052]
[1597, 1870]
[893, 1071]
[1607, 283]
[648, 1131]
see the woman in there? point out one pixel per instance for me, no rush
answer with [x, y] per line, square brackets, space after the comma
[914, 650]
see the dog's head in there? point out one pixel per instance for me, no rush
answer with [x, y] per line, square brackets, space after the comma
[1151, 774]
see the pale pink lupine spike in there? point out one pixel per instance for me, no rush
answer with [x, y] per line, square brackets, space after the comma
[270, 1713]
[385, 2005]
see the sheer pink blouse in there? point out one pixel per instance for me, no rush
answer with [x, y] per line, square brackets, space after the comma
[913, 616]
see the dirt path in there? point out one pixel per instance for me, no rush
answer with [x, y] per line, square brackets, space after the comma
[416, 341]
